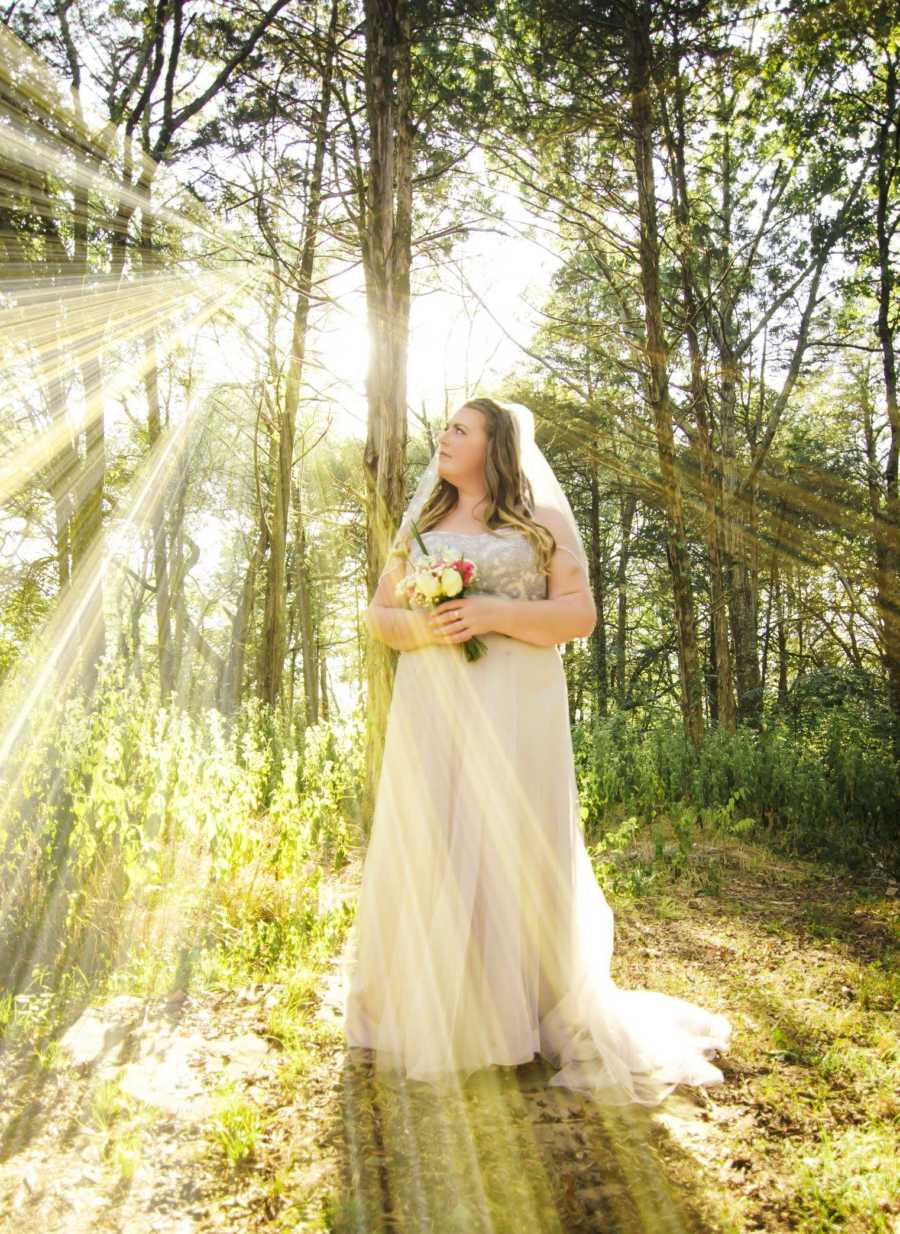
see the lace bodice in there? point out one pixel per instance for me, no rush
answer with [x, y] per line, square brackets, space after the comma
[505, 560]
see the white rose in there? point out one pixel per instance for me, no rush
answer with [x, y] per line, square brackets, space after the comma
[451, 581]
[427, 585]
[449, 554]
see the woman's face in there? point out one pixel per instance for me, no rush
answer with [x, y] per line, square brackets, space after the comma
[463, 447]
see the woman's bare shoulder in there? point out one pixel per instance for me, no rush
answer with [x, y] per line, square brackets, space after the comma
[550, 518]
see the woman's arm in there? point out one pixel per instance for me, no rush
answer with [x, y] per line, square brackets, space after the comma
[391, 622]
[568, 612]
[546, 622]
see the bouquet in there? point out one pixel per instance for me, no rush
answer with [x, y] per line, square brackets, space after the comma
[437, 577]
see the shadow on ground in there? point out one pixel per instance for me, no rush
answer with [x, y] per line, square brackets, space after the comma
[504, 1152]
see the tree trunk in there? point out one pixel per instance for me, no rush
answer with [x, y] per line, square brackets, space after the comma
[723, 706]
[734, 517]
[886, 515]
[86, 524]
[598, 637]
[711, 676]
[274, 634]
[627, 509]
[180, 566]
[61, 474]
[386, 247]
[781, 636]
[323, 683]
[691, 694]
[87, 478]
[309, 635]
[231, 682]
[163, 603]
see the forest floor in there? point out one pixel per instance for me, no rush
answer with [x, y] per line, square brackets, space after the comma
[201, 1114]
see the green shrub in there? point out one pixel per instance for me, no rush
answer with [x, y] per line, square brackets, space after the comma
[829, 789]
[136, 829]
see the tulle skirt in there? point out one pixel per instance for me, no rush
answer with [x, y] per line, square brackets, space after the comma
[482, 935]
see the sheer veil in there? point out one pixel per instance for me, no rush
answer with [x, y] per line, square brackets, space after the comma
[545, 488]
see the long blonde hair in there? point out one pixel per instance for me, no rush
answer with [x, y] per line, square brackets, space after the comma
[510, 501]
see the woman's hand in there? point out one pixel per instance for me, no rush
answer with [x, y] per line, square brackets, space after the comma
[457, 620]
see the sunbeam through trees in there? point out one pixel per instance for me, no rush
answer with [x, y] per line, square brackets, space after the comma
[255, 256]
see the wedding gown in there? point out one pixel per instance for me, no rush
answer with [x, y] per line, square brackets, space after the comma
[482, 935]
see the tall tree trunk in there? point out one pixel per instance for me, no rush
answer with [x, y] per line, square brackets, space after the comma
[712, 676]
[231, 682]
[180, 565]
[691, 694]
[324, 711]
[598, 637]
[886, 515]
[710, 482]
[386, 245]
[627, 509]
[734, 518]
[781, 636]
[163, 601]
[87, 478]
[724, 708]
[86, 524]
[274, 634]
[308, 632]
[60, 478]
[711, 526]
[737, 522]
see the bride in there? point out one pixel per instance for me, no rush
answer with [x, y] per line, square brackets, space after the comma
[482, 937]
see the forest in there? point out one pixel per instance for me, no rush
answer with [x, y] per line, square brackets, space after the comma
[254, 256]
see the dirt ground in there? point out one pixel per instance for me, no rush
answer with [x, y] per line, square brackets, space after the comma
[192, 1116]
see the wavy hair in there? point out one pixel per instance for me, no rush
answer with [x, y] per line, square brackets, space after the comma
[510, 500]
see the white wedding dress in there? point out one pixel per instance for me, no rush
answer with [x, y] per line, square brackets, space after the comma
[482, 935]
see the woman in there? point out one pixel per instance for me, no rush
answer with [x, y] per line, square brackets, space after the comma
[483, 937]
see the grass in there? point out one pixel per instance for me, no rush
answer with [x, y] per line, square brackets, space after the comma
[804, 959]
[236, 1125]
[804, 1136]
[120, 1123]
